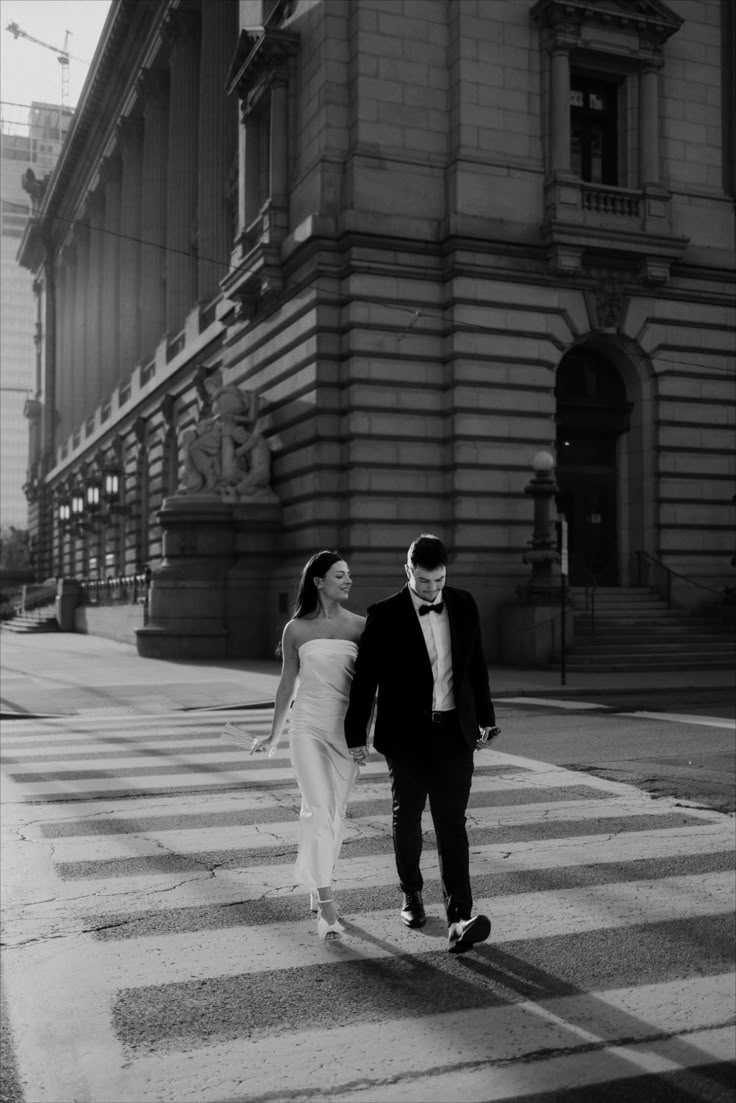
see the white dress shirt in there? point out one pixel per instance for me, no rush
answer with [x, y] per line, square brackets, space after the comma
[436, 631]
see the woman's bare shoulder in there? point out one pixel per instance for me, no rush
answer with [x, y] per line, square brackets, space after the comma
[295, 632]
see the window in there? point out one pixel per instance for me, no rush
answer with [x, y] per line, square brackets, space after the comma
[594, 130]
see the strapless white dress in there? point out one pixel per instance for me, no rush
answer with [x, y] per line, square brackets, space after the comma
[324, 768]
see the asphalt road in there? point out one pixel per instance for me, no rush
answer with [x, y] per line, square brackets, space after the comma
[675, 749]
[155, 950]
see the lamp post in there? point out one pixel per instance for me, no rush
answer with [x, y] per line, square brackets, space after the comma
[112, 486]
[543, 556]
[93, 496]
[77, 511]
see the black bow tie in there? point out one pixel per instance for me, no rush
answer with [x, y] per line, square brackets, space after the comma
[424, 609]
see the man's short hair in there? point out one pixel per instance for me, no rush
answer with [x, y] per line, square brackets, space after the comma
[427, 551]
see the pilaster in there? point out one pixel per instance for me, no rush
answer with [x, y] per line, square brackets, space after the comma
[81, 322]
[218, 126]
[70, 354]
[94, 374]
[130, 144]
[560, 109]
[181, 225]
[649, 125]
[154, 86]
[63, 359]
[111, 173]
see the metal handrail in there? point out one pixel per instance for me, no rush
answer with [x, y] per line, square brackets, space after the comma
[642, 557]
[35, 595]
[117, 590]
[590, 586]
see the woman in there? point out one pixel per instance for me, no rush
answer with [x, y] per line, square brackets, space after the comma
[319, 646]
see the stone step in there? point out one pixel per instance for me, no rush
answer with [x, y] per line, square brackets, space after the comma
[643, 646]
[31, 624]
[679, 657]
[629, 668]
[654, 630]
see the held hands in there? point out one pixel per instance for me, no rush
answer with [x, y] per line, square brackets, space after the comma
[485, 737]
[265, 744]
[359, 755]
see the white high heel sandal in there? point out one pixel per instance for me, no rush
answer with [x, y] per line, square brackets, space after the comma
[314, 903]
[328, 932]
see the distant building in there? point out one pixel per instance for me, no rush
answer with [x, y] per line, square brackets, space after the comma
[434, 238]
[30, 141]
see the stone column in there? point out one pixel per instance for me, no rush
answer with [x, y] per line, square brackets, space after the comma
[94, 370]
[63, 359]
[218, 131]
[155, 89]
[81, 324]
[110, 312]
[130, 137]
[244, 162]
[279, 159]
[69, 353]
[649, 125]
[49, 337]
[181, 229]
[559, 110]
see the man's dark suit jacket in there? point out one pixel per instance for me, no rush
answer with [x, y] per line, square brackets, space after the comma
[393, 659]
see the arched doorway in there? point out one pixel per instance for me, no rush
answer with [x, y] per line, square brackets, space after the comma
[593, 413]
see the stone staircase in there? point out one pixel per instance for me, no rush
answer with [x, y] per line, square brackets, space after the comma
[634, 630]
[42, 619]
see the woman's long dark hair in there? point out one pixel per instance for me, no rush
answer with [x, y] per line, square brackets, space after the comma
[307, 598]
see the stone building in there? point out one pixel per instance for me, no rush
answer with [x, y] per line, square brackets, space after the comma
[433, 237]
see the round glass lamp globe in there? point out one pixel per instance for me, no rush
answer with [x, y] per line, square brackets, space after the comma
[543, 461]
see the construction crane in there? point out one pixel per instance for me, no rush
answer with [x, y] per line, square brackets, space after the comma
[63, 57]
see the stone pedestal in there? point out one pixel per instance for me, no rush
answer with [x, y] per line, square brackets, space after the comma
[254, 621]
[209, 596]
[531, 634]
[68, 591]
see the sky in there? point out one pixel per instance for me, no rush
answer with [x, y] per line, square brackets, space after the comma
[32, 72]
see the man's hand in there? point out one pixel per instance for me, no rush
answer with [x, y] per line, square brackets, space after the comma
[485, 737]
[359, 754]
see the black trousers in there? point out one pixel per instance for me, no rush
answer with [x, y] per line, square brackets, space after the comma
[443, 774]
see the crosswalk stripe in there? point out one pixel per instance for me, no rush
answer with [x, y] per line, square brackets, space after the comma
[554, 702]
[126, 897]
[236, 951]
[685, 718]
[487, 1053]
[253, 837]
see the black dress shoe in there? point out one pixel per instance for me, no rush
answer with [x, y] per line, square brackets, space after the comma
[412, 910]
[464, 934]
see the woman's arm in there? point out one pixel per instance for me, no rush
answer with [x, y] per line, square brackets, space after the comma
[286, 687]
[364, 685]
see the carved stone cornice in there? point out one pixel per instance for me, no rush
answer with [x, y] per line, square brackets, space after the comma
[178, 24]
[632, 28]
[261, 56]
[129, 129]
[152, 84]
[651, 20]
[110, 168]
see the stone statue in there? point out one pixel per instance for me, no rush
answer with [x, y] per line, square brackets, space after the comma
[202, 446]
[35, 187]
[226, 454]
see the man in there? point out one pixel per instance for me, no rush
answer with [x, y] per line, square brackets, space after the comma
[421, 650]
